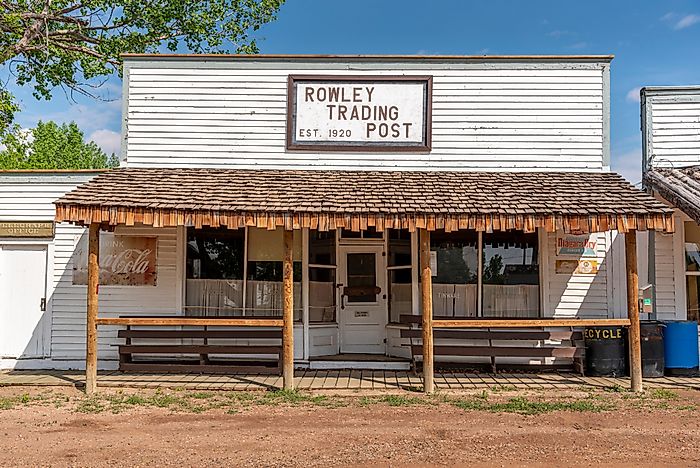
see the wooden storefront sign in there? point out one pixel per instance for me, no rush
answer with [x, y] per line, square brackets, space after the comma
[359, 113]
[124, 260]
[26, 228]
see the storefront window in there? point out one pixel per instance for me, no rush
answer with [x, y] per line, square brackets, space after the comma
[455, 270]
[264, 285]
[692, 269]
[214, 279]
[322, 276]
[510, 275]
[369, 233]
[400, 274]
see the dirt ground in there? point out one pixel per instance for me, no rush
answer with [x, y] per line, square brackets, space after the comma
[498, 427]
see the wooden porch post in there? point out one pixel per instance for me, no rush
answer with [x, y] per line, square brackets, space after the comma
[427, 311]
[288, 311]
[93, 284]
[635, 346]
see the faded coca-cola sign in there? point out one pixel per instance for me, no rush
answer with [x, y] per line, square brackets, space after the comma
[124, 260]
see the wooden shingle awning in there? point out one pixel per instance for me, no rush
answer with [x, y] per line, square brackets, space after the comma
[681, 187]
[576, 202]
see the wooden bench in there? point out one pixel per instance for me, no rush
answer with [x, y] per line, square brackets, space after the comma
[197, 357]
[502, 343]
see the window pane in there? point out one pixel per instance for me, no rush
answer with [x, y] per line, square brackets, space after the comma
[215, 253]
[322, 295]
[369, 233]
[455, 275]
[693, 296]
[214, 276]
[399, 247]
[511, 275]
[322, 247]
[399, 294]
[692, 246]
[362, 277]
[264, 289]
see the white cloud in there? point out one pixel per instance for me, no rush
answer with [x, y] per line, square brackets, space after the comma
[108, 140]
[679, 21]
[687, 21]
[628, 164]
[579, 45]
[633, 95]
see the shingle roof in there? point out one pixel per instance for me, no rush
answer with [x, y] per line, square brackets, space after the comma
[451, 200]
[681, 187]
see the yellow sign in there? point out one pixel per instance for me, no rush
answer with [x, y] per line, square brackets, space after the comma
[26, 228]
[577, 267]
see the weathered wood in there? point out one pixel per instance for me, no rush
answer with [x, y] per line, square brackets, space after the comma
[204, 334]
[175, 321]
[527, 323]
[456, 334]
[288, 311]
[502, 351]
[155, 366]
[635, 346]
[92, 308]
[199, 349]
[427, 311]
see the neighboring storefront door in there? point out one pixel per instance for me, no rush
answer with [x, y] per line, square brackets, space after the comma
[23, 329]
[362, 313]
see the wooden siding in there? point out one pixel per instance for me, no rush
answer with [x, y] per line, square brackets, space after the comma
[672, 132]
[487, 117]
[69, 301]
[30, 197]
[666, 305]
[578, 295]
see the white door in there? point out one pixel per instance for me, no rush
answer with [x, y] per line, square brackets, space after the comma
[23, 328]
[362, 314]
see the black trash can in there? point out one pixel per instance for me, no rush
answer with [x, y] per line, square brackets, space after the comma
[606, 353]
[652, 335]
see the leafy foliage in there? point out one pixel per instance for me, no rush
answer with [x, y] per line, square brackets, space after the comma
[50, 146]
[72, 43]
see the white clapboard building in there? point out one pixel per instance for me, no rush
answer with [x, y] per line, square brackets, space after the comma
[501, 164]
[671, 165]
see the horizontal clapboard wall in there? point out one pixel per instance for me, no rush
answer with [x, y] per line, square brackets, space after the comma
[30, 196]
[486, 116]
[671, 119]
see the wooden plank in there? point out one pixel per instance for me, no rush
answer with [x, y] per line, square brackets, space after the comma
[427, 312]
[507, 351]
[195, 368]
[495, 335]
[288, 311]
[526, 323]
[221, 334]
[635, 343]
[92, 306]
[199, 349]
[177, 321]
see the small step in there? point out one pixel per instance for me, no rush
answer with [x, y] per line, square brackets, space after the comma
[333, 364]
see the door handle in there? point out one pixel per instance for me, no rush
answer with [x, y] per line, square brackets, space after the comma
[42, 304]
[342, 301]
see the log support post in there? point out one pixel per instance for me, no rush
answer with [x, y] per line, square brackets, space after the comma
[427, 311]
[634, 335]
[288, 312]
[92, 305]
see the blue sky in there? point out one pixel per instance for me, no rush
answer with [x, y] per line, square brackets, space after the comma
[654, 43]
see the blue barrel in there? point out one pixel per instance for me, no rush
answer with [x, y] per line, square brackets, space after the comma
[681, 348]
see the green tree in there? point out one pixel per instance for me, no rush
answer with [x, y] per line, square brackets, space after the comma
[76, 44]
[50, 146]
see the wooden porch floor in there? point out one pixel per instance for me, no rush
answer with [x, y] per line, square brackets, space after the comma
[337, 380]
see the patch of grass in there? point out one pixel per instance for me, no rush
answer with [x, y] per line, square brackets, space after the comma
[663, 394]
[202, 395]
[289, 397]
[503, 388]
[90, 406]
[522, 405]
[616, 389]
[7, 403]
[400, 400]
[687, 408]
